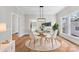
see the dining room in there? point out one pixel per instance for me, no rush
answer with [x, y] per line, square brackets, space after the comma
[43, 28]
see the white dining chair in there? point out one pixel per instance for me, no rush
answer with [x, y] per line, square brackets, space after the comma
[34, 38]
[54, 37]
[48, 37]
[31, 41]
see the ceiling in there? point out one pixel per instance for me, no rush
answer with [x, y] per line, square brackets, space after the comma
[35, 10]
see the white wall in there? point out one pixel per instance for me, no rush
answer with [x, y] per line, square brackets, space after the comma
[5, 17]
[27, 24]
[65, 12]
[22, 25]
[19, 23]
[14, 19]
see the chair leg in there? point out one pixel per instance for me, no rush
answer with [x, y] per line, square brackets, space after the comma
[34, 43]
[55, 40]
[52, 42]
[41, 41]
[45, 40]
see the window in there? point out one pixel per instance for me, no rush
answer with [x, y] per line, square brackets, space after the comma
[77, 28]
[65, 25]
[70, 24]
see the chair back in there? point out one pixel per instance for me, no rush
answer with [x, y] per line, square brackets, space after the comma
[34, 36]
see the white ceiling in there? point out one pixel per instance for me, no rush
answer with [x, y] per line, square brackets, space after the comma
[35, 10]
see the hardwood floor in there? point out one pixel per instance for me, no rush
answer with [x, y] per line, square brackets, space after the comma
[66, 46]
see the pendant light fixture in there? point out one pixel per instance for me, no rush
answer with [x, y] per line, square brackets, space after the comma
[41, 19]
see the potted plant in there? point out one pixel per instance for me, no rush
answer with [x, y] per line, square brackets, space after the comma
[55, 27]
